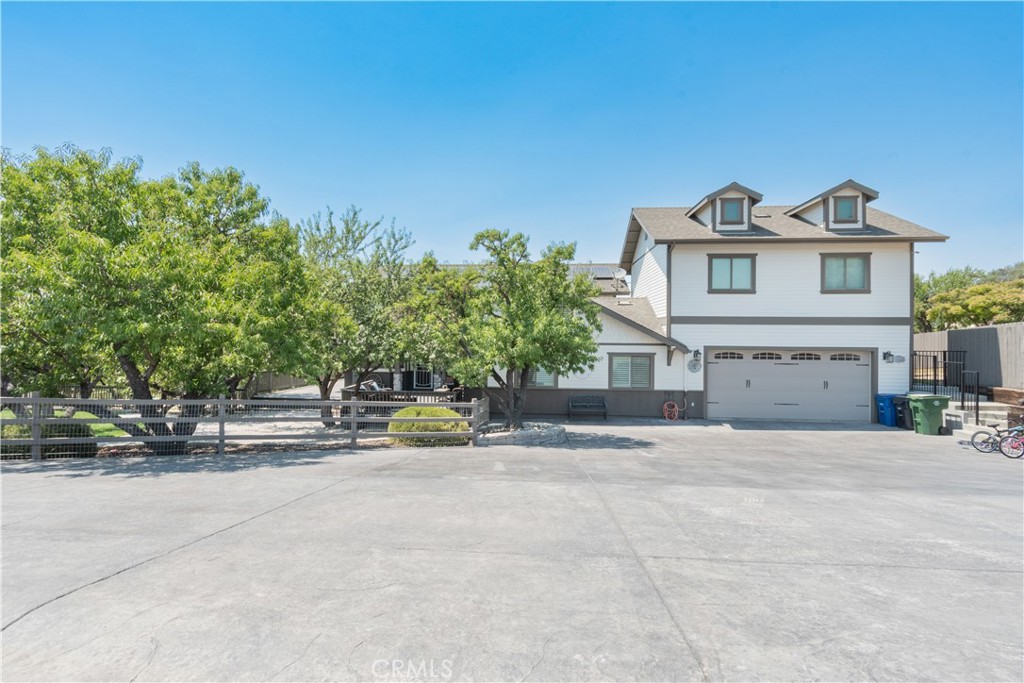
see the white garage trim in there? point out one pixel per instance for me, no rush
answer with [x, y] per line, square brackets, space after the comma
[858, 383]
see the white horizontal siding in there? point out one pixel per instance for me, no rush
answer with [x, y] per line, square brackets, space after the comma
[704, 215]
[650, 273]
[892, 377]
[814, 213]
[666, 377]
[788, 282]
[617, 332]
[615, 337]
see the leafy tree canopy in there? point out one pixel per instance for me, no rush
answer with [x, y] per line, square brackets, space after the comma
[351, 312]
[510, 315]
[179, 286]
[959, 285]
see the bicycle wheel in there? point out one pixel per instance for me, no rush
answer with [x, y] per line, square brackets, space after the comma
[1012, 446]
[984, 441]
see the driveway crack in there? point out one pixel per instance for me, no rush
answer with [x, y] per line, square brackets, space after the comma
[205, 537]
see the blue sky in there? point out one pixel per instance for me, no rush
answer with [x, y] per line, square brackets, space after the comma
[551, 119]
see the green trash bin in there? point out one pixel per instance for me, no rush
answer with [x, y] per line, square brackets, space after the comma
[927, 411]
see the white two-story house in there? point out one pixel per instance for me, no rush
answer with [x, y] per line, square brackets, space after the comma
[798, 312]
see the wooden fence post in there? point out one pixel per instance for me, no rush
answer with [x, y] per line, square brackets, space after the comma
[36, 428]
[353, 431]
[475, 424]
[221, 411]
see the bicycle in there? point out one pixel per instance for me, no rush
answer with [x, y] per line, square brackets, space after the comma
[987, 442]
[1012, 445]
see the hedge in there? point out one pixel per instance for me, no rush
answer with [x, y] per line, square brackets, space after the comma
[428, 411]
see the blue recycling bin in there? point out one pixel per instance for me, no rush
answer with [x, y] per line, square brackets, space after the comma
[886, 409]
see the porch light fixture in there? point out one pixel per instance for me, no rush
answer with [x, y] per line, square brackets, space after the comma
[697, 355]
[887, 356]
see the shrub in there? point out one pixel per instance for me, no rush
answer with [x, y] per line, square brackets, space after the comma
[15, 432]
[52, 449]
[68, 431]
[428, 411]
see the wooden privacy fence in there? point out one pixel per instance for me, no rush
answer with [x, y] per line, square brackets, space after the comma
[44, 428]
[995, 351]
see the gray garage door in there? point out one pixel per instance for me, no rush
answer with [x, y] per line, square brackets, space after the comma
[789, 384]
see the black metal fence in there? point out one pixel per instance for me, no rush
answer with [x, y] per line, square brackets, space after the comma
[940, 372]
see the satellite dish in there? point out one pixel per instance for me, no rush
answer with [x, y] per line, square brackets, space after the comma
[619, 274]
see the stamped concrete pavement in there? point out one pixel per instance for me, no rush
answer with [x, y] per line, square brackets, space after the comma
[643, 550]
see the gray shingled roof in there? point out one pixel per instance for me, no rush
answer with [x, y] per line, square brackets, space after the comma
[638, 314]
[770, 224]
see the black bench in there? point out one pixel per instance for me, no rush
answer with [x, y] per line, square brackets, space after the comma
[588, 404]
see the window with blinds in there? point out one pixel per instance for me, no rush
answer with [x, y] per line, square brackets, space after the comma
[631, 372]
[540, 378]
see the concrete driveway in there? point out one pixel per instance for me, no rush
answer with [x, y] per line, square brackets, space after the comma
[640, 551]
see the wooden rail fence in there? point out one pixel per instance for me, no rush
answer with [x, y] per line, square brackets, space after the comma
[43, 428]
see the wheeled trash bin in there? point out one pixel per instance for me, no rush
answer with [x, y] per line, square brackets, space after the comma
[904, 418]
[927, 410]
[886, 410]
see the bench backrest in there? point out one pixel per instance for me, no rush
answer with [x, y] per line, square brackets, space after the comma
[586, 401]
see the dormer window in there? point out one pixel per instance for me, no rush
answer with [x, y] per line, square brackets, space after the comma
[732, 211]
[845, 209]
[726, 209]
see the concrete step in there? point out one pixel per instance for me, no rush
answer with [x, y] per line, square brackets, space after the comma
[958, 419]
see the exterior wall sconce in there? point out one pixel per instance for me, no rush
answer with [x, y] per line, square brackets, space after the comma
[697, 355]
[887, 356]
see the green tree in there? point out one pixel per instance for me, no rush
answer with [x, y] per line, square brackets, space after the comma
[57, 210]
[927, 287]
[509, 316]
[990, 303]
[1006, 273]
[180, 286]
[359, 279]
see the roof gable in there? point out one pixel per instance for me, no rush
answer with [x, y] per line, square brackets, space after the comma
[755, 196]
[869, 195]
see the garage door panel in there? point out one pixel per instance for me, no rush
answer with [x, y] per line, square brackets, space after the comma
[801, 385]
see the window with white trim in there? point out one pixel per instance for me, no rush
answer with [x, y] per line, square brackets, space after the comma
[844, 356]
[728, 355]
[628, 371]
[767, 355]
[805, 356]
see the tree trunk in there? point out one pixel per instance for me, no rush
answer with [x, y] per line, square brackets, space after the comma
[139, 383]
[326, 387]
[512, 399]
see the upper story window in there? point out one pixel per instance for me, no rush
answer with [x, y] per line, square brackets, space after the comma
[732, 211]
[541, 378]
[628, 371]
[844, 210]
[845, 273]
[731, 273]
